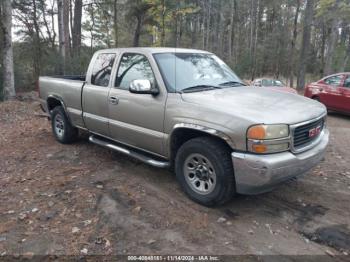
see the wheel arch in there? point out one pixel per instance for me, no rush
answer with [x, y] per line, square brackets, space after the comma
[183, 132]
[52, 101]
[316, 97]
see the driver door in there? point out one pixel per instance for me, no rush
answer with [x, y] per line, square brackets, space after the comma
[136, 119]
[331, 93]
[344, 103]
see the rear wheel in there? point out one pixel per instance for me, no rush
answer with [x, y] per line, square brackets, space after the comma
[63, 130]
[205, 172]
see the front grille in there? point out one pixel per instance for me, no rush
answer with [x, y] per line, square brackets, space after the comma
[301, 133]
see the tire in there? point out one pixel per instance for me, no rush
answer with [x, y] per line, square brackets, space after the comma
[316, 98]
[63, 130]
[210, 180]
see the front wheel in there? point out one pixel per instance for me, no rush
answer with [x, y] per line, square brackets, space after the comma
[316, 98]
[205, 172]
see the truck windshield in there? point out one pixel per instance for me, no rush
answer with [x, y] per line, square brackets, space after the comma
[185, 70]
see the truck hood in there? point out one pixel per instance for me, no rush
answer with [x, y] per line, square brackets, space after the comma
[258, 105]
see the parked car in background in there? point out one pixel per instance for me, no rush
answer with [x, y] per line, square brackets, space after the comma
[273, 84]
[333, 91]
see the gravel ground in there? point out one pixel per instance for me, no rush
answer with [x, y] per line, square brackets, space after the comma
[83, 199]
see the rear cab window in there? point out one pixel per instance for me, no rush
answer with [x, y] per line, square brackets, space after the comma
[102, 69]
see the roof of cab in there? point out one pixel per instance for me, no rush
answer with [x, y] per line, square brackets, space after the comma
[154, 50]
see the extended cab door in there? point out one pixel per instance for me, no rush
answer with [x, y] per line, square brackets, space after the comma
[95, 93]
[137, 119]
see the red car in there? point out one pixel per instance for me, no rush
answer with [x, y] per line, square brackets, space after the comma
[273, 84]
[333, 91]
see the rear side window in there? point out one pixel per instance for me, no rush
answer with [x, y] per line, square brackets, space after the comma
[101, 72]
[333, 80]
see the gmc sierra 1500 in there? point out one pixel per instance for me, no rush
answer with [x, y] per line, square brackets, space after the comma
[186, 109]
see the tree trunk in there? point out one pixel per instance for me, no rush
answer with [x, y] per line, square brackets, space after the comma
[66, 28]
[76, 37]
[304, 53]
[137, 33]
[255, 41]
[347, 55]
[208, 26]
[37, 44]
[231, 33]
[203, 23]
[162, 35]
[61, 35]
[332, 41]
[63, 31]
[53, 23]
[194, 32]
[292, 46]
[7, 59]
[323, 49]
[115, 22]
[70, 31]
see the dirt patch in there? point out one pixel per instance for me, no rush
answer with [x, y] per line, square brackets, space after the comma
[81, 198]
[337, 236]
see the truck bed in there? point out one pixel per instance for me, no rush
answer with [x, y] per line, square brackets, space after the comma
[68, 89]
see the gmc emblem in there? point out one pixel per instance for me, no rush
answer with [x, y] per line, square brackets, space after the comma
[314, 131]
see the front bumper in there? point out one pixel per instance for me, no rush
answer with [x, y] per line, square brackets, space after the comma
[256, 174]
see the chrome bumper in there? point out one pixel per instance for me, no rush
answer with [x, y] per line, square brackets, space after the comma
[256, 174]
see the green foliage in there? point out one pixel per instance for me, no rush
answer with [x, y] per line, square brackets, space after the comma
[99, 24]
[261, 32]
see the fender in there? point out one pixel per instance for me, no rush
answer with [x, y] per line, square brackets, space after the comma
[207, 130]
[61, 101]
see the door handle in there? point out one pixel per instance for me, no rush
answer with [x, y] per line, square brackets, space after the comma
[113, 100]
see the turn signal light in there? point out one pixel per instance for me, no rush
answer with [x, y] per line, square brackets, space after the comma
[259, 148]
[257, 132]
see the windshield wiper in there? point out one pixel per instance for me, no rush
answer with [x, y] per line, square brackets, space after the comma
[232, 83]
[199, 88]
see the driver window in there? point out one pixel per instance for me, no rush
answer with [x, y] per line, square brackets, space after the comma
[133, 67]
[347, 81]
[333, 80]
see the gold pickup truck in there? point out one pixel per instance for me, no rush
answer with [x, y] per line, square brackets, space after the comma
[186, 109]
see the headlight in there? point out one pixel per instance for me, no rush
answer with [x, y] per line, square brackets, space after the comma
[268, 131]
[268, 138]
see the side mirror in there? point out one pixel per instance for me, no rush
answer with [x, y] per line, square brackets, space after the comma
[142, 86]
